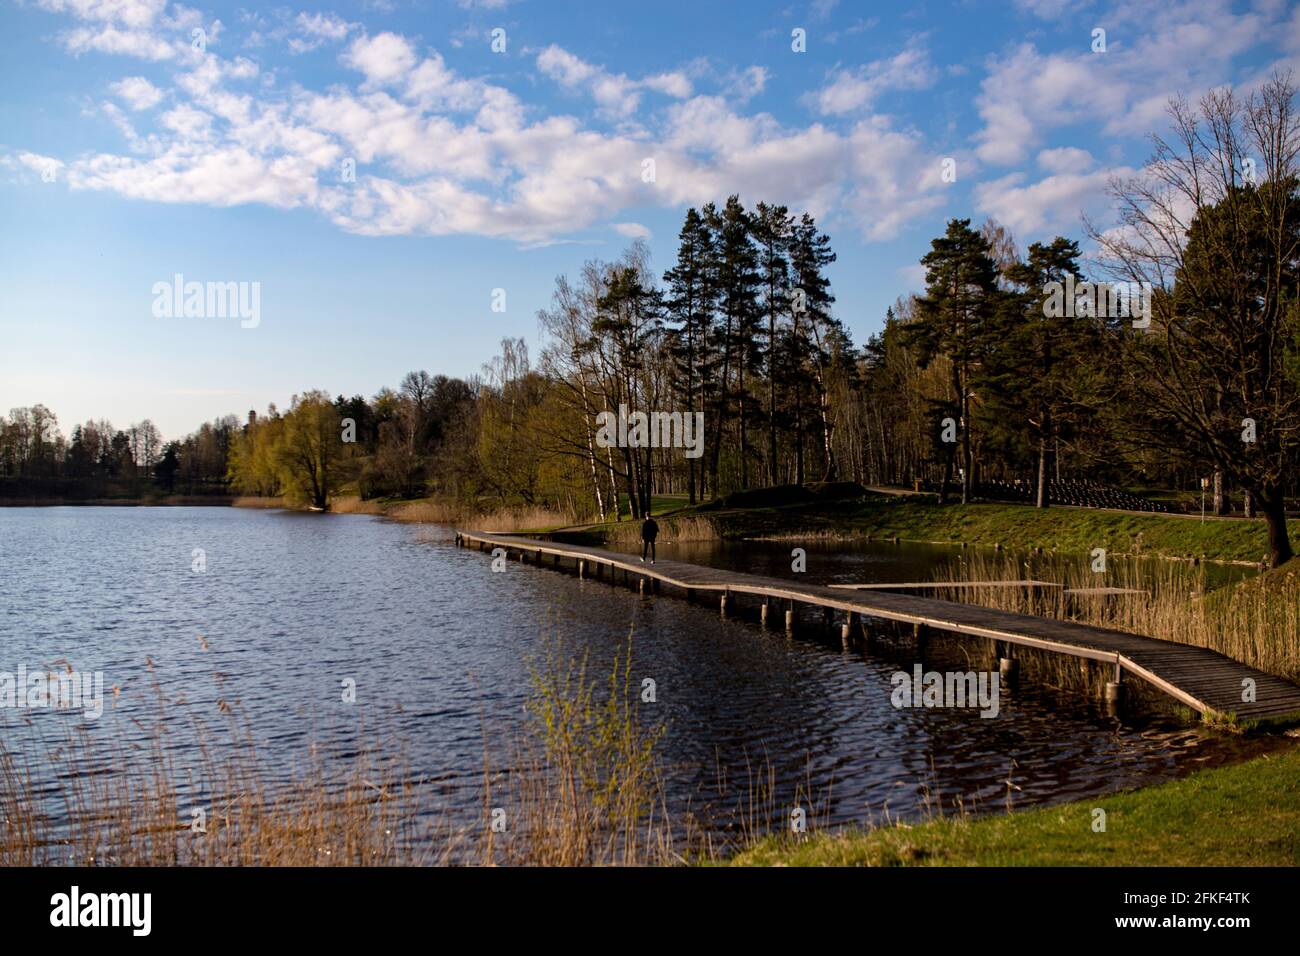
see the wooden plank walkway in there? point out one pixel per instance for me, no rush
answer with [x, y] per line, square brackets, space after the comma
[1202, 679]
[946, 585]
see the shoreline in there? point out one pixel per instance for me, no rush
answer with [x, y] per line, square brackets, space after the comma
[167, 501]
[1238, 814]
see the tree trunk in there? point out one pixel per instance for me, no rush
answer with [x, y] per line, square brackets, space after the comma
[1040, 499]
[1273, 506]
[964, 411]
[947, 474]
[1220, 500]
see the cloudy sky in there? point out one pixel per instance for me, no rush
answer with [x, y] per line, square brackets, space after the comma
[498, 143]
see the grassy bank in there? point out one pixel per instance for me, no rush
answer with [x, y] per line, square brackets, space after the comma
[830, 513]
[1243, 815]
[1017, 527]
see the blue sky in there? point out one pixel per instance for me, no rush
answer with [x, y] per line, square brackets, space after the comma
[131, 151]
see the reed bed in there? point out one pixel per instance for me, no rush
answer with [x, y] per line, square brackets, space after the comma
[1256, 621]
[258, 501]
[670, 529]
[354, 505]
[492, 519]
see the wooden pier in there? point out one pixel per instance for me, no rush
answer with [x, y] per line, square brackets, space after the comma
[1204, 680]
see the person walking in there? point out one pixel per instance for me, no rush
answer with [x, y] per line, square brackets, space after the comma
[649, 531]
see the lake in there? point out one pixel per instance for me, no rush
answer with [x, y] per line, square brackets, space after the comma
[292, 605]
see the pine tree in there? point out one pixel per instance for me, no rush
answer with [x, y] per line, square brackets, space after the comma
[690, 300]
[951, 319]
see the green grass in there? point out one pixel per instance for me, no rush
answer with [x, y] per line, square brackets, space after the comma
[1013, 526]
[1247, 814]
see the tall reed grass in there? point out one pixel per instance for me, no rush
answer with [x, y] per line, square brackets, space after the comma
[692, 528]
[1256, 621]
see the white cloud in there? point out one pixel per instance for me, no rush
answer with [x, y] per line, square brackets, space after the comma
[384, 58]
[136, 14]
[633, 230]
[137, 92]
[1122, 92]
[438, 152]
[1065, 159]
[615, 93]
[910, 69]
[315, 29]
[675, 84]
[138, 43]
[1052, 204]
[747, 83]
[1050, 9]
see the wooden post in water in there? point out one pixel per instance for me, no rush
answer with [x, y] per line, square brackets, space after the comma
[846, 631]
[1008, 669]
[722, 604]
[640, 586]
[1115, 692]
[582, 568]
[918, 639]
[789, 618]
[762, 614]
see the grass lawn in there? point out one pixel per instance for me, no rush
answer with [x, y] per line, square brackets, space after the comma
[1013, 526]
[1247, 814]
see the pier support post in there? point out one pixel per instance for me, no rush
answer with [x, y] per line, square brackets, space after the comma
[1114, 698]
[640, 586]
[762, 614]
[722, 604]
[582, 569]
[789, 618]
[1008, 670]
[918, 639]
[1115, 692]
[846, 631]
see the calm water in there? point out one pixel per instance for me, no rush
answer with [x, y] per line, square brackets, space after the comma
[439, 647]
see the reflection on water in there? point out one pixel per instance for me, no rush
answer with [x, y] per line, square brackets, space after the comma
[439, 646]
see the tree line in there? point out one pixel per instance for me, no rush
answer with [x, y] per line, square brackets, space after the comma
[982, 377]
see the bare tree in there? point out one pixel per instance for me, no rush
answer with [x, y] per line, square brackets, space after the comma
[1213, 224]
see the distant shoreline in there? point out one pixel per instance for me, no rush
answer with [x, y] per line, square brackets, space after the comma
[166, 501]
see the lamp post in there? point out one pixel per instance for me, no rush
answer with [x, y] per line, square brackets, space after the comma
[1205, 483]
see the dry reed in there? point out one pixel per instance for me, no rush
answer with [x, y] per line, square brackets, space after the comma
[1255, 624]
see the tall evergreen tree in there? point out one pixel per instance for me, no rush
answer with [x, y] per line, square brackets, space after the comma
[951, 320]
[737, 282]
[772, 228]
[817, 338]
[690, 300]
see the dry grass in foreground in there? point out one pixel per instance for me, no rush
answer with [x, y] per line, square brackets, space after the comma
[583, 789]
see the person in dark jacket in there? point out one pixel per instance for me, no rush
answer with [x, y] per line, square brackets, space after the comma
[649, 531]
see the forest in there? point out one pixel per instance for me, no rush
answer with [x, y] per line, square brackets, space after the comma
[980, 382]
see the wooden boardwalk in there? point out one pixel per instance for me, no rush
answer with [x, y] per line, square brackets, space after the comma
[1202, 679]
